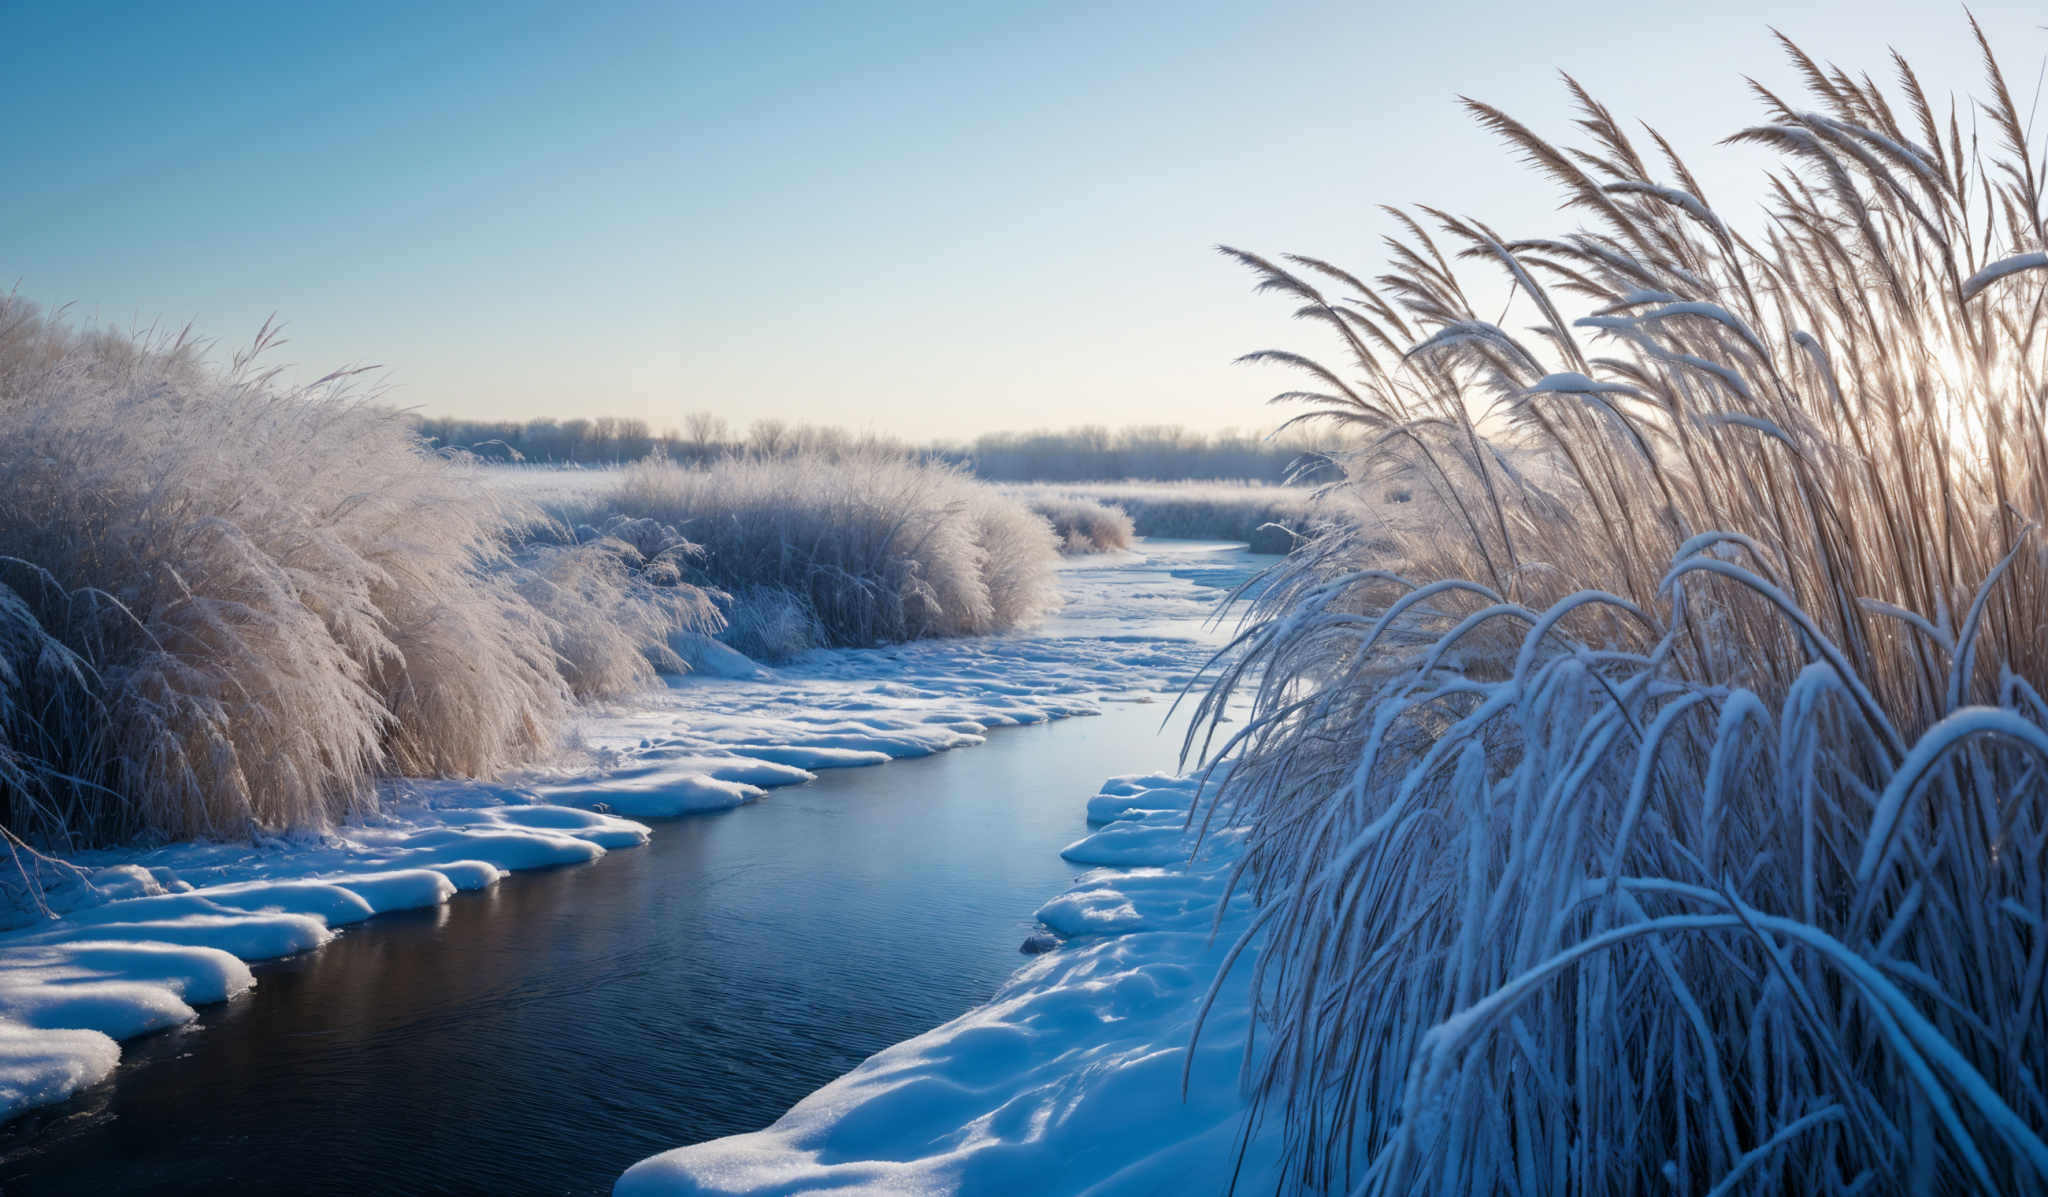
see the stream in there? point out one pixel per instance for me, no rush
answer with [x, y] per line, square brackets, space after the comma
[544, 1034]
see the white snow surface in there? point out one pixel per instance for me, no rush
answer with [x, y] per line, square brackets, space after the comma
[1069, 1079]
[148, 935]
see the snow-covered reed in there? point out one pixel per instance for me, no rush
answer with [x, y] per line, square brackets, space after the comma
[1678, 819]
[855, 549]
[1085, 525]
[609, 601]
[226, 604]
[1185, 510]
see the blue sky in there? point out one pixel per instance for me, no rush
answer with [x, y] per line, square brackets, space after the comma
[923, 219]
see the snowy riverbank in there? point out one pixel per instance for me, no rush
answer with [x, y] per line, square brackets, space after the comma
[1070, 1079]
[172, 928]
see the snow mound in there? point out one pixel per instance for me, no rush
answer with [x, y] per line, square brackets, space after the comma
[657, 791]
[403, 889]
[708, 657]
[1125, 798]
[1068, 1081]
[38, 1067]
[1135, 839]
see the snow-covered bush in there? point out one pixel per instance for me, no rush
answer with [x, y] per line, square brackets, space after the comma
[1185, 510]
[227, 604]
[1679, 820]
[609, 601]
[863, 548]
[769, 623]
[1084, 525]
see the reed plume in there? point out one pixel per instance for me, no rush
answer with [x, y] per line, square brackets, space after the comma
[1675, 815]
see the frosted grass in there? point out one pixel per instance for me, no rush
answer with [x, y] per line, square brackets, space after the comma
[863, 548]
[227, 605]
[1183, 510]
[1084, 525]
[1675, 817]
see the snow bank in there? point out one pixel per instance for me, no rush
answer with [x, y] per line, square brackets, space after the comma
[177, 926]
[1068, 1081]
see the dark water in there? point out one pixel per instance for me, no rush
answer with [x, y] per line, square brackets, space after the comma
[542, 1036]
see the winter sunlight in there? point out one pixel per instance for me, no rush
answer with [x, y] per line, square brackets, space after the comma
[648, 598]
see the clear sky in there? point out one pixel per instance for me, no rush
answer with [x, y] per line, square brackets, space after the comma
[925, 219]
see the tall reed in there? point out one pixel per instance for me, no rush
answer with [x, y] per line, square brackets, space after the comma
[1678, 818]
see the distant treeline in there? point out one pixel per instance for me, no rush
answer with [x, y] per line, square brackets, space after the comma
[1157, 452]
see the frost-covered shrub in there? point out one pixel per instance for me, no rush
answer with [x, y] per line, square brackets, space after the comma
[227, 604]
[769, 623]
[607, 610]
[1186, 510]
[1085, 525]
[1016, 557]
[868, 547]
[1677, 819]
